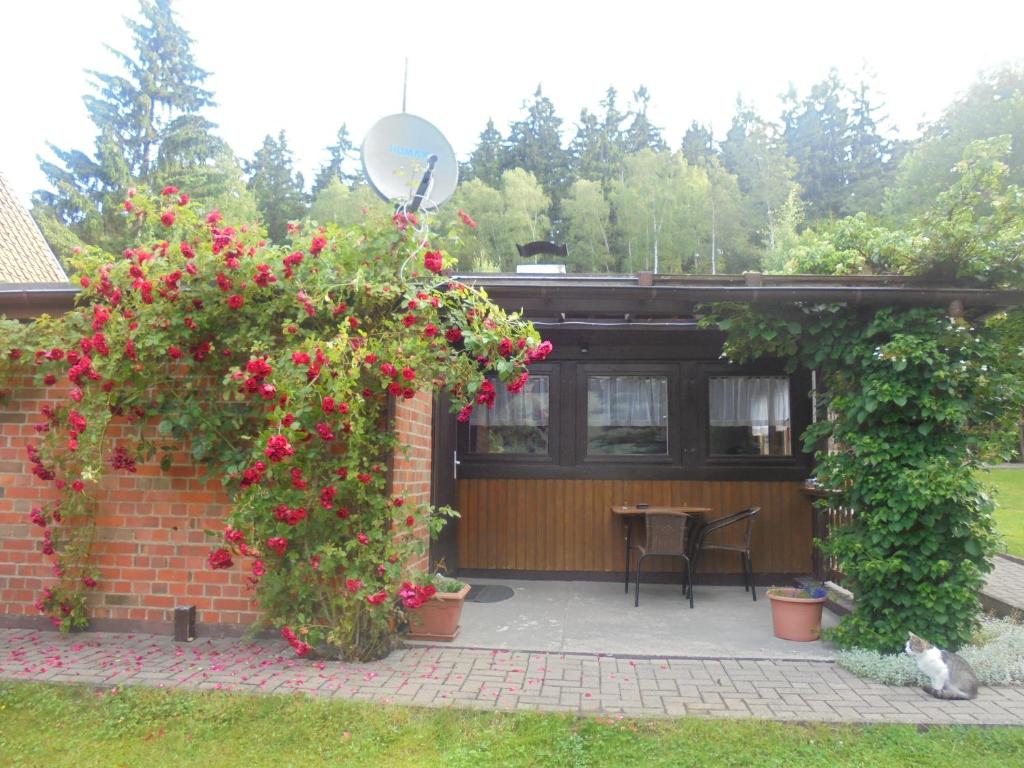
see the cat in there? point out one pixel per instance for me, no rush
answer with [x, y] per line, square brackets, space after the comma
[951, 676]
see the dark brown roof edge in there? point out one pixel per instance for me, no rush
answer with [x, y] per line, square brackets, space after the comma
[24, 301]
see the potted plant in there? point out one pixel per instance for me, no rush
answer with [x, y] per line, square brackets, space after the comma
[796, 612]
[435, 606]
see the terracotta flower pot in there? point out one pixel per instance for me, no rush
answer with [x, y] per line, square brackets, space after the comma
[438, 618]
[795, 618]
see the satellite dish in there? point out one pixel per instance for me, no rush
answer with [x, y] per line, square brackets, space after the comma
[408, 161]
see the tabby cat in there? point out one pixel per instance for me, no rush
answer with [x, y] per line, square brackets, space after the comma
[951, 676]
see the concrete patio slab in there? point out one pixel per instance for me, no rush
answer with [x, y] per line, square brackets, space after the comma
[597, 617]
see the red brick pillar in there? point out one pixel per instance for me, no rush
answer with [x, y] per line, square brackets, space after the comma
[410, 466]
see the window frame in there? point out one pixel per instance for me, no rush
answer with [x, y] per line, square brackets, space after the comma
[674, 453]
[554, 405]
[799, 381]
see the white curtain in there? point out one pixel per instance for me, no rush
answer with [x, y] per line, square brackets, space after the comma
[627, 401]
[750, 401]
[528, 408]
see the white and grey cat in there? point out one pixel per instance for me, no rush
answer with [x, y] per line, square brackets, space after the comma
[951, 676]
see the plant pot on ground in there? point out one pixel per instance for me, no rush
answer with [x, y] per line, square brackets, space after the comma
[796, 612]
[435, 609]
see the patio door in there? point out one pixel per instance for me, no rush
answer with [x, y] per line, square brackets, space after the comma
[443, 487]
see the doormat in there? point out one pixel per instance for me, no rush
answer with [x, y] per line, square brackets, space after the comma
[488, 593]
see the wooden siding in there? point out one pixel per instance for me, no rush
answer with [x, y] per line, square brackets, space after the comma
[566, 525]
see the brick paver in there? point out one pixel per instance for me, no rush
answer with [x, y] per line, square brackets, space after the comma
[500, 680]
[1006, 583]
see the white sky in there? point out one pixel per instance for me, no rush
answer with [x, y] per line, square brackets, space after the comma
[309, 66]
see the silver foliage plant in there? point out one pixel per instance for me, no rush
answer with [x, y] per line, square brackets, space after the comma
[997, 656]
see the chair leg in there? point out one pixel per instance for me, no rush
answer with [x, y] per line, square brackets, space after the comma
[636, 599]
[750, 569]
[746, 574]
[626, 577]
[688, 578]
[693, 570]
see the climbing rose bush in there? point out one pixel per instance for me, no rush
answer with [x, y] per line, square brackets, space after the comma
[276, 368]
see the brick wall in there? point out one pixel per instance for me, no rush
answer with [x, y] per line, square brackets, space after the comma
[150, 544]
[410, 469]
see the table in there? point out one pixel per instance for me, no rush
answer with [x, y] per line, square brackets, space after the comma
[627, 513]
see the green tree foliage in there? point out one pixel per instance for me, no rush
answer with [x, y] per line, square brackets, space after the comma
[278, 189]
[535, 145]
[489, 158]
[340, 157]
[698, 144]
[843, 161]
[642, 133]
[150, 132]
[992, 106]
[661, 208]
[588, 228]
[599, 147]
[515, 213]
[346, 206]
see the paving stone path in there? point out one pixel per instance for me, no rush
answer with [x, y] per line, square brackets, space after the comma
[1005, 584]
[500, 680]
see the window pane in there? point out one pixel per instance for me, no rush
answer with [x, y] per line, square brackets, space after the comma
[627, 415]
[518, 423]
[749, 416]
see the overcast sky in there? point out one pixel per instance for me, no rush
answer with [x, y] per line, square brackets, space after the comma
[309, 66]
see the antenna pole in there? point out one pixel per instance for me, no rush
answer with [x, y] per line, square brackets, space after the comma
[405, 82]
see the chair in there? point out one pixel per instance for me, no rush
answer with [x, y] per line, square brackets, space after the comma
[700, 545]
[665, 535]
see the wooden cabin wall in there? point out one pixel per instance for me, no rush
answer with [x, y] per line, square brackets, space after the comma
[567, 526]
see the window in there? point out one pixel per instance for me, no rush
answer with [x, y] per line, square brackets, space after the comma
[517, 424]
[627, 415]
[749, 416]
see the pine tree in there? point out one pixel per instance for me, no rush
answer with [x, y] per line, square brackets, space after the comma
[698, 145]
[489, 159]
[642, 134]
[150, 131]
[336, 168]
[277, 188]
[599, 147]
[535, 145]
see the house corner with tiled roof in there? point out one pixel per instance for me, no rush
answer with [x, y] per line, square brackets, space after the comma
[25, 258]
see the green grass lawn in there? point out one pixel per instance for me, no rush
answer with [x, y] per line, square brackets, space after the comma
[52, 726]
[1010, 511]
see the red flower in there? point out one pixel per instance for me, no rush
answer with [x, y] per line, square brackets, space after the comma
[78, 486]
[236, 301]
[170, 190]
[258, 568]
[129, 206]
[432, 261]
[410, 521]
[173, 352]
[430, 331]
[89, 581]
[388, 370]
[328, 404]
[234, 535]
[379, 597]
[505, 348]
[183, 200]
[453, 335]
[363, 539]
[278, 448]
[297, 481]
[353, 585]
[318, 244]
[540, 352]
[343, 513]
[214, 217]
[327, 494]
[324, 430]
[220, 559]
[467, 219]
[167, 218]
[466, 413]
[408, 374]
[278, 545]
